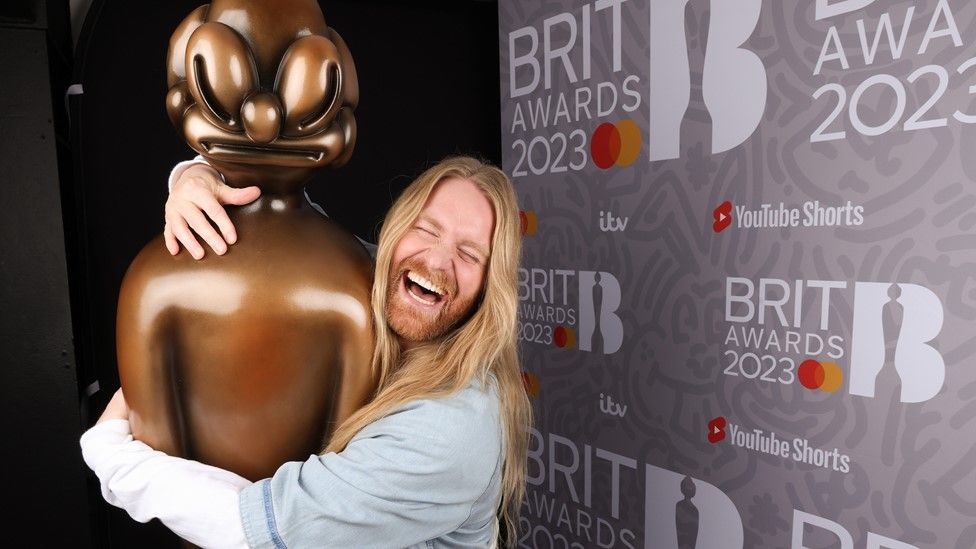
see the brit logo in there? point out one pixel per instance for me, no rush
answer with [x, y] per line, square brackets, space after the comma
[551, 314]
[780, 332]
[807, 522]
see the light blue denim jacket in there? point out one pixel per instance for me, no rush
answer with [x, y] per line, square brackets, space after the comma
[427, 475]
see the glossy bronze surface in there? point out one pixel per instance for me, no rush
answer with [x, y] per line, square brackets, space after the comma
[248, 360]
[263, 83]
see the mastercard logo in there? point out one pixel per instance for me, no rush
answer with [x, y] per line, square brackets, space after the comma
[564, 338]
[825, 376]
[531, 382]
[615, 144]
[529, 222]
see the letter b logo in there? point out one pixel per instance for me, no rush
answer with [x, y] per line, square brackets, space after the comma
[611, 328]
[903, 318]
[733, 80]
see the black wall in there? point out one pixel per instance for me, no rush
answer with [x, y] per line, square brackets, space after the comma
[73, 221]
[41, 462]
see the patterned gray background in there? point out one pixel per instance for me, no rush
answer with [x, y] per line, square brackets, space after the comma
[912, 474]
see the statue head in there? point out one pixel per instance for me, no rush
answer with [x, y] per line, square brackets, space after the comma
[264, 90]
[688, 487]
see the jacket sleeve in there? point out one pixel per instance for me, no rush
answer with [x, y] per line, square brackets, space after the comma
[196, 501]
[407, 478]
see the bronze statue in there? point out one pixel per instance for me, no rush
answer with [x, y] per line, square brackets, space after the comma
[251, 359]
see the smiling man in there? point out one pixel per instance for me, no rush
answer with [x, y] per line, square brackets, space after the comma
[433, 292]
[437, 456]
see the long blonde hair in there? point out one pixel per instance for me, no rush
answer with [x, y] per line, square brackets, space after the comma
[485, 344]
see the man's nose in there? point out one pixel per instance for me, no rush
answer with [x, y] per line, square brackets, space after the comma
[438, 258]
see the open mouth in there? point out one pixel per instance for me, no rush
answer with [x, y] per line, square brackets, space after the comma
[421, 290]
[244, 151]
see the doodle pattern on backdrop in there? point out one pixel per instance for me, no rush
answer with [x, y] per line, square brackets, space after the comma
[749, 283]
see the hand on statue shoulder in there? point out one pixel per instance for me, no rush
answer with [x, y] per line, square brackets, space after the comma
[196, 199]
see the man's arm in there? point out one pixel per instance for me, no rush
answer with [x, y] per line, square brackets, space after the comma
[196, 501]
[196, 188]
[404, 479]
[409, 477]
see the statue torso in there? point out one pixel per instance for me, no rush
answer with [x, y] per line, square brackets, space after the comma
[267, 347]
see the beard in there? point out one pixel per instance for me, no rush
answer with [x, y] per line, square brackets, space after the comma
[413, 322]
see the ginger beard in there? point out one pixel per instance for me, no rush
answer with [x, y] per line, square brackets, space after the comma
[421, 304]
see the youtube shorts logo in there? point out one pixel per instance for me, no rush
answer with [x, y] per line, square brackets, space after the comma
[723, 217]
[716, 430]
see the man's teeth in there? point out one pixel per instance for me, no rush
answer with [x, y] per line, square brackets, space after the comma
[419, 299]
[424, 283]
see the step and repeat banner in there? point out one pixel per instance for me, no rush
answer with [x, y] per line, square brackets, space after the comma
[748, 293]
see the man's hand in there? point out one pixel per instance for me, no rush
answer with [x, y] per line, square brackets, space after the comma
[116, 409]
[200, 190]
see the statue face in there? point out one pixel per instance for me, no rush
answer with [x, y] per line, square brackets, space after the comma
[263, 84]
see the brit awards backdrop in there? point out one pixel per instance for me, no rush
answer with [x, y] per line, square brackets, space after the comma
[748, 293]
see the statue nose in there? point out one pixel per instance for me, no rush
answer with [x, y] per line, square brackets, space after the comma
[261, 113]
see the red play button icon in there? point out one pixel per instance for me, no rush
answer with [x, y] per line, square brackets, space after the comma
[722, 216]
[716, 429]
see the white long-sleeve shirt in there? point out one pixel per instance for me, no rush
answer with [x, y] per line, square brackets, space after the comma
[198, 502]
[426, 475]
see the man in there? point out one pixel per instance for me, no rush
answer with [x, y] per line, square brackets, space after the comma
[440, 449]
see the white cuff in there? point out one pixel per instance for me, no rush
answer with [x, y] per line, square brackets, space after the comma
[181, 167]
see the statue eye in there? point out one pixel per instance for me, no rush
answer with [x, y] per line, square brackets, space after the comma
[310, 81]
[220, 73]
